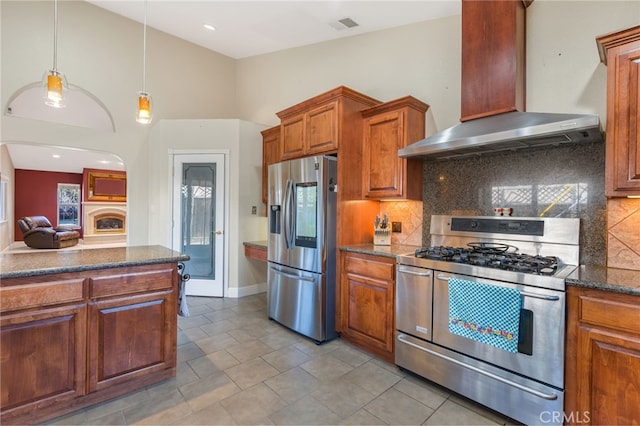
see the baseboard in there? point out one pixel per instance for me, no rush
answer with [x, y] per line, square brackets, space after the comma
[246, 290]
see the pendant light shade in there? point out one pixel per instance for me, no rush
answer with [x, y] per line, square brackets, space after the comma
[144, 108]
[144, 99]
[54, 83]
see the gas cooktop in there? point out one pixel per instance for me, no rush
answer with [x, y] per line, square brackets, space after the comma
[540, 252]
[493, 255]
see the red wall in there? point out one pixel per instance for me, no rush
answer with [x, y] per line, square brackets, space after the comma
[37, 194]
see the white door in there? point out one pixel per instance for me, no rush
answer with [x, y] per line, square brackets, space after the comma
[198, 220]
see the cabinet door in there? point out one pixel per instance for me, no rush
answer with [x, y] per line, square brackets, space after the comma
[383, 170]
[292, 137]
[270, 155]
[367, 297]
[130, 337]
[43, 358]
[370, 302]
[623, 127]
[608, 377]
[322, 129]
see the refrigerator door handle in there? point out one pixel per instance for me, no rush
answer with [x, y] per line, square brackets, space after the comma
[293, 276]
[288, 219]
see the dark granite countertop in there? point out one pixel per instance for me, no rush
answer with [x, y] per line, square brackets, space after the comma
[44, 262]
[608, 279]
[387, 251]
[256, 244]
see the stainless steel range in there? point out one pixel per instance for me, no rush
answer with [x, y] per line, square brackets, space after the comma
[482, 310]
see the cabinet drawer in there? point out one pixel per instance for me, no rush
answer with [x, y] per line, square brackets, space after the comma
[131, 282]
[370, 266]
[621, 312]
[31, 295]
[255, 253]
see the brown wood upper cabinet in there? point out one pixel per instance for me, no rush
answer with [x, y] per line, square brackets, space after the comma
[389, 127]
[314, 126]
[620, 51]
[603, 358]
[493, 58]
[270, 155]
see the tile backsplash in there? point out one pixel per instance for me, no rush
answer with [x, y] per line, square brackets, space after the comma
[562, 181]
[623, 233]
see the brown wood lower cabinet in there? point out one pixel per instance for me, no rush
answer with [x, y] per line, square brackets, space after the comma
[367, 287]
[603, 358]
[43, 358]
[73, 339]
[127, 338]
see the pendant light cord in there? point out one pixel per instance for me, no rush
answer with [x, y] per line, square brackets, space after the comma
[144, 50]
[55, 35]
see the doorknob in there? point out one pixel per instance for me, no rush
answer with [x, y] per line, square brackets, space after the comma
[218, 232]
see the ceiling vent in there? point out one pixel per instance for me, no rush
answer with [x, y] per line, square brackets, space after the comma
[343, 24]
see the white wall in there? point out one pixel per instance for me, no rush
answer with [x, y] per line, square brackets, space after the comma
[7, 174]
[239, 140]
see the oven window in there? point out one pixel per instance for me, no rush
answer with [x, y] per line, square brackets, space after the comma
[525, 333]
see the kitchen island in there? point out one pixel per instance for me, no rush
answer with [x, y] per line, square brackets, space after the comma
[82, 326]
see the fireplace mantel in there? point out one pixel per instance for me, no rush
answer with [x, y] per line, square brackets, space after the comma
[96, 211]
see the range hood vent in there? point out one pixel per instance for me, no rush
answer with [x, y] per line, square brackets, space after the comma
[493, 98]
[506, 132]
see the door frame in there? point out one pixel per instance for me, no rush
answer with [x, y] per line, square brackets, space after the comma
[225, 230]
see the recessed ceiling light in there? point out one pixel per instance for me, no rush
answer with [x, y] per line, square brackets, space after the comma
[209, 27]
[55, 156]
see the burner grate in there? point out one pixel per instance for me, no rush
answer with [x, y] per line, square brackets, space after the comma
[492, 255]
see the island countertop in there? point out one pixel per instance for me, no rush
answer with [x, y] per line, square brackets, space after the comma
[44, 262]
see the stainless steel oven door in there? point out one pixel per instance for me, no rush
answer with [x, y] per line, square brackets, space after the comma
[542, 327]
[414, 294]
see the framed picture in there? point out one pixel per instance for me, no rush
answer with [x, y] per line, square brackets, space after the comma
[106, 186]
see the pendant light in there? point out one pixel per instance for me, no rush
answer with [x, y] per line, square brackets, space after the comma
[54, 83]
[144, 99]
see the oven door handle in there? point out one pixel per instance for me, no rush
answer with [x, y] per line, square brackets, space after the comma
[410, 272]
[522, 293]
[540, 296]
[535, 392]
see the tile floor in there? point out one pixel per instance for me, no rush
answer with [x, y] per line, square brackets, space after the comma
[235, 366]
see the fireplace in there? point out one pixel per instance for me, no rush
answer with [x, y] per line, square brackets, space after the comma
[109, 223]
[105, 222]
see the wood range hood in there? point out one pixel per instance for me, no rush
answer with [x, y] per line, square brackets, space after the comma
[493, 116]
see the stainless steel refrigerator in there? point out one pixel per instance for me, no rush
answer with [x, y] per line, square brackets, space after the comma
[301, 251]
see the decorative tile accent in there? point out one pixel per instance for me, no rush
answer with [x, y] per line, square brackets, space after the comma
[623, 233]
[410, 214]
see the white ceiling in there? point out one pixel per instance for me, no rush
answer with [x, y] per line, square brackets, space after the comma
[60, 159]
[249, 28]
